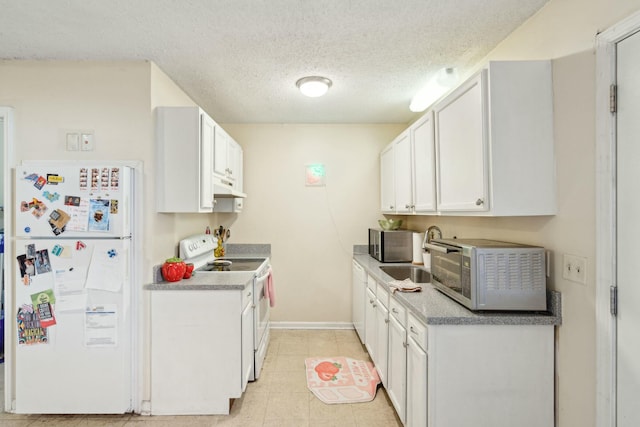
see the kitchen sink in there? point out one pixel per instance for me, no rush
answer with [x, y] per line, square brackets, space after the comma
[401, 272]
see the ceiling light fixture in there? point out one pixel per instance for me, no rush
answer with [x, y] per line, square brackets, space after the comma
[437, 86]
[313, 86]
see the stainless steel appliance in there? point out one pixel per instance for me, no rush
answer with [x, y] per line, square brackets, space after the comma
[391, 246]
[489, 275]
[198, 250]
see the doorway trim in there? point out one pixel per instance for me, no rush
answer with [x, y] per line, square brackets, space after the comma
[605, 218]
[8, 153]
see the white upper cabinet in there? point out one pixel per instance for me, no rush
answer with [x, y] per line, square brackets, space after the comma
[387, 180]
[191, 146]
[494, 143]
[184, 160]
[227, 160]
[402, 168]
[423, 177]
[462, 168]
[408, 170]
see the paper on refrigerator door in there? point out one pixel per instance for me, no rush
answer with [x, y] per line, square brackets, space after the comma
[101, 326]
[106, 270]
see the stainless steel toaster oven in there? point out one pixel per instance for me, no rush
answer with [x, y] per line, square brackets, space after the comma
[490, 275]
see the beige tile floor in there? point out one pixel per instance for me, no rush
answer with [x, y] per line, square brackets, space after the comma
[280, 397]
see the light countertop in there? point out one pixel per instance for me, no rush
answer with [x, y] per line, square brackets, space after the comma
[221, 280]
[435, 308]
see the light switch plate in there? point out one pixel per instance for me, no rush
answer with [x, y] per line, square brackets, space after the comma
[73, 142]
[86, 142]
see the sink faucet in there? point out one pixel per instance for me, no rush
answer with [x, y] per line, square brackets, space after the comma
[433, 232]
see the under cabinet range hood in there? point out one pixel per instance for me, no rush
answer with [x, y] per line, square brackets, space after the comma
[223, 188]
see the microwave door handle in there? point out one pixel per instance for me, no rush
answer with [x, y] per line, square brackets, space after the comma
[439, 248]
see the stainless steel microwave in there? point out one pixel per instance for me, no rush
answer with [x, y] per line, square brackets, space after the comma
[490, 275]
[391, 246]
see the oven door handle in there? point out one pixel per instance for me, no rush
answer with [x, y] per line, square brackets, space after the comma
[443, 249]
[262, 278]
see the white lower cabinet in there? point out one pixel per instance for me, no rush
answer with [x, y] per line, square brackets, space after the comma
[416, 374]
[502, 374]
[200, 343]
[358, 286]
[397, 363]
[382, 334]
[248, 353]
[370, 323]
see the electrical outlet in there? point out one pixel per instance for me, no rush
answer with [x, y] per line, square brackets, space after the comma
[574, 268]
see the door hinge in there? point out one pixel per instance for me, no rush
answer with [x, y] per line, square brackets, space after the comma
[613, 98]
[613, 300]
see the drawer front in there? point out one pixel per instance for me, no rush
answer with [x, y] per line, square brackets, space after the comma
[417, 330]
[398, 311]
[371, 283]
[383, 295]
[247, 295]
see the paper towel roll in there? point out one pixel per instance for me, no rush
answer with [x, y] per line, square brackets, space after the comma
[418, 238]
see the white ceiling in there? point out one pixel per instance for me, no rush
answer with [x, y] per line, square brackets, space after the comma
[240, 59]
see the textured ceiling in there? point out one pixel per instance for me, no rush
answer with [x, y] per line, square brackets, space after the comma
[240, 59]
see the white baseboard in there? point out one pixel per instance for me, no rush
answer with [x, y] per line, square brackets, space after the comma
[311, 325]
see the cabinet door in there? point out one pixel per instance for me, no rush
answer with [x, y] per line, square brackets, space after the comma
[461, 138]
[220, 164]
[370, 323]
[233, 153]
[207, 135]
[402, 172]
[358, 295]
[416, 385]
[382, 341]
[387, 180]
[247, 344]
[397, 367]
[236, 167]
[424, 165]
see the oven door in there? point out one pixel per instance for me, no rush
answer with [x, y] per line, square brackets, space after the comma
[447, 272]
[262, 320]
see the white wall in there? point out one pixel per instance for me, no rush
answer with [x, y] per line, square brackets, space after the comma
[312, 230]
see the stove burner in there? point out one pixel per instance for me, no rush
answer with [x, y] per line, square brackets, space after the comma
[236, 264]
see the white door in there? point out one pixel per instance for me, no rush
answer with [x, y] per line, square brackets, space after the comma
[424, 175]
[461, 147]
[77, 358]
[397, 366]
[402, 171]
[387, 180]
[416, 385]
[382, 341]
[370, 323]
[628, 231]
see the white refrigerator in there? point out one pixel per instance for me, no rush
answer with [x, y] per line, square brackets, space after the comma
[73, 288]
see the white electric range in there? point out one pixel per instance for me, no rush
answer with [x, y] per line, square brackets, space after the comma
[198, 250]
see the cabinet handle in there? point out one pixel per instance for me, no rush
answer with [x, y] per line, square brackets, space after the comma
[375, 305]
[407, 206]
[390, 207]
[394, 310]
[386, 320]
[413, 330]
[253, 306]
[370, 301]
[479, 202]
[405, 344]
[249, 294]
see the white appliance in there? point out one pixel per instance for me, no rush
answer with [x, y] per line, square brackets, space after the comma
[198, 250]
[73, 288]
